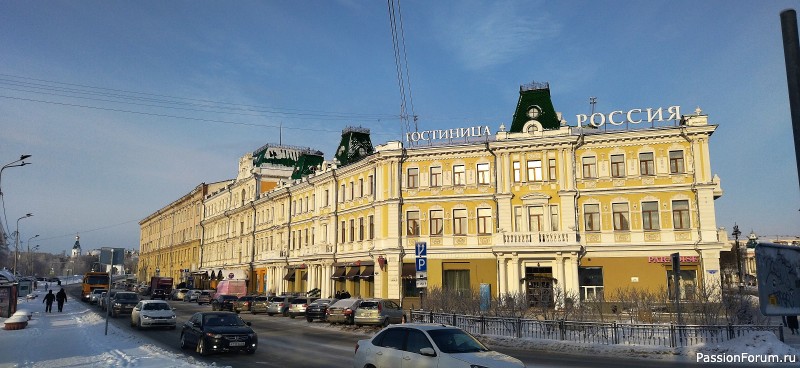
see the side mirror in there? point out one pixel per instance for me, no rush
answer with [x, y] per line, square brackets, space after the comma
[427, 352]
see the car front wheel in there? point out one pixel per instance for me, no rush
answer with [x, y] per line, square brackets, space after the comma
[184, 345]
[201, 347]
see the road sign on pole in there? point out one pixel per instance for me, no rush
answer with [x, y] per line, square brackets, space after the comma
[421, 250]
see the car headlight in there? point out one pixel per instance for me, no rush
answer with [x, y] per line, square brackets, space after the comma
[173, 316]
[117, 305]
[213, 335]
[146, 317]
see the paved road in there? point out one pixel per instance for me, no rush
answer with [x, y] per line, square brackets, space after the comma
[286, 342]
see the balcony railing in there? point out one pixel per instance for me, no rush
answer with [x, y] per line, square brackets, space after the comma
[542, 238]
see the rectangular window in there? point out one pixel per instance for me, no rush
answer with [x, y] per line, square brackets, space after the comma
[459, 175]
[352, 191]
[676, 162]
[456, 280]
[535, 218]
[484, 221]
[341, 194]
[460, 222]
[360, 228]
[412, 178]
[370, 185]
[518, 219]
[352, 230]
[646, 164]
[412, 223]
[589, 167]
[436, 176]
[591, 282]
[325, 202]
[312, 236]
[360, 188]
[554, 219]
[535, 170]
[621, 216]
[324, 234]
[437, 222]
[552, 169]
[483, 174]
[680, 215]
[688, 284]
[343, 231]
[650, 216]
[371, 227]
[591, 217]
[618, 166]
[516, 169]
[305, 237]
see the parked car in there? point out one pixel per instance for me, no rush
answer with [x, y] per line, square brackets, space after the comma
[259, 304]
[378, 312]
[298, 307]
[106, 297]
[317, 309]
[191, 295]
[159, 294]
[243, 303]
[223, 302]
[153, 313]
[428, 345]
[177, 294]
[279, 305]
[204, 297]
[218, 332]
[94, 297]
[343, 311]
[122, 303]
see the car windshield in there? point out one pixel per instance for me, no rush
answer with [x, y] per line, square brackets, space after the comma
[126, 296]
[156, 306]
[322, 302]
[368, 305]
[453, 341]
[99, 291]
[223, 320]
[299, 301]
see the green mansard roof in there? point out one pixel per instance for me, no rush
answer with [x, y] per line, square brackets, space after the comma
[534, 104]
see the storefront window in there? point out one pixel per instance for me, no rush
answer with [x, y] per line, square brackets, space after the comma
[457, 280]
[591, 282]
[688, 284]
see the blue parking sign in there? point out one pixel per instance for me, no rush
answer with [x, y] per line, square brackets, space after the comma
[422, 264]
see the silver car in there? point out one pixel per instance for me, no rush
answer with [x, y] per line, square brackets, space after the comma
[94, 297]
[428, 345]
[378, 312]
[153, 313]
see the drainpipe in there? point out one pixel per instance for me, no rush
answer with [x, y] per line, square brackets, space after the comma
[335, 224]
[696, 200]
[403, 157]
[253, 246]
[496, 216]
[577, 144]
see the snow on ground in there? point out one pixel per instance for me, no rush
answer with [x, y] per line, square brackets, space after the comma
[76, 338]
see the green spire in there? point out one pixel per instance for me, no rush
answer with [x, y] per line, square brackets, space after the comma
[534, 104]
[354, 146]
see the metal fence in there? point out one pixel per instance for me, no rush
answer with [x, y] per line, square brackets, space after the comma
[606, 333]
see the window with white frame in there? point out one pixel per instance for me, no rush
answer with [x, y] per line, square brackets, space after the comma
[552, 169]
[676, 162]
[535, 218]
[484, 221]
[412, 178]
[412, 223]
[460, 222]
[518, 219]
[534, 170]
[617, 166]
[516, 170]
[484, 177]
[554, 218]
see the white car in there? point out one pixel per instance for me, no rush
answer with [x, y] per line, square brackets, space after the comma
[153, 313]
[423, 345]
[94, 297]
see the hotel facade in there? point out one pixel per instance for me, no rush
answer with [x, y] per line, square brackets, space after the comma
[533, 209]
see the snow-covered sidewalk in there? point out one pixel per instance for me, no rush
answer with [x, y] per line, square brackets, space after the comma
[76, 338]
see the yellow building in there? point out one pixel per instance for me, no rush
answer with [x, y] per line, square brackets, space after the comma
[539, 207]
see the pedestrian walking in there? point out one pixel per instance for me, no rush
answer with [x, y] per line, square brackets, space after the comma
[46, 286]
[791, 321]
[61, 298]
[48, 301]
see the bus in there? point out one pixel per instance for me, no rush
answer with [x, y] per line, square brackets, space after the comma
[91, 281]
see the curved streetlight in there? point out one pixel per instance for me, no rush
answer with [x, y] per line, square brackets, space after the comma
[29, 250]
[30, 259]
[16, 163]
[16, 248]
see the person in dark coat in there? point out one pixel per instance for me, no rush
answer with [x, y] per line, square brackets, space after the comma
[791, 322]
[61, 298]
[338, 294]
[345, 294]
[48, 300]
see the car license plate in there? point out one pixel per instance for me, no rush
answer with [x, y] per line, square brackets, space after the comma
[237, 343]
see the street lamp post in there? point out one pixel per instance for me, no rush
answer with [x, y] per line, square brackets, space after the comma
[16, 163]
[29, 251]
[16, 247]
[736, 234]
[30, 259]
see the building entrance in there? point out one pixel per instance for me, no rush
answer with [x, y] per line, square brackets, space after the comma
[539, 286]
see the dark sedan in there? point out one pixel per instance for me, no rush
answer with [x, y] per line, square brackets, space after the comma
[211, 332]
[223, 302]
[318, 309]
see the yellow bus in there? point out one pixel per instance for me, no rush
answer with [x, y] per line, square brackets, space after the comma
[91, 281]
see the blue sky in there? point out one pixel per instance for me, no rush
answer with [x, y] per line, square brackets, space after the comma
[148, 133]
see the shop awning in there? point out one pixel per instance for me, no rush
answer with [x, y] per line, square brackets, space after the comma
[409, 271]
[339, 273]
[353, 273]
[290, 274]
[369, 272]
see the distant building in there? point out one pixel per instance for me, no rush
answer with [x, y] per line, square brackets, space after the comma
[76, 248]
